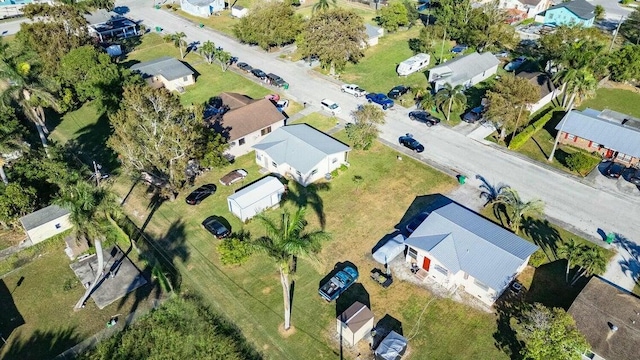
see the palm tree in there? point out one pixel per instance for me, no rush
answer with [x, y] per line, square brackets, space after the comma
[569, 250]
[427, 100]
[11, 142]
[285, 241]
[178, 41]
[519, 209]
[208, 50]
[453, 96]
[323, 5]
[592, 261]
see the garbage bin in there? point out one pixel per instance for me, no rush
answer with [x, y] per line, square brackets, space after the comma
[286, 86]
[201, 25]
[610, 237]
[157, 7]
[462, 179]
[158, 29]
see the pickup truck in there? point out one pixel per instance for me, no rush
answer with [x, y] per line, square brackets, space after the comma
[380, 99]
[339, 283]
[353, 89]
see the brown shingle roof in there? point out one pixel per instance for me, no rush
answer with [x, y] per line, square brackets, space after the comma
[601, 305]
[356, 316]
[541, 80]
[235, 100]
[242, 121]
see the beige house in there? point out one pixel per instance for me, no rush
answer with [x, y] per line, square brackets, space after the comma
[166, 71]
[354, 323]
[245, 122]
[46, 223]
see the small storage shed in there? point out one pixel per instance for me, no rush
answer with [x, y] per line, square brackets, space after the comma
[45, 223]
[391, 348]
[239, 11]
[254, 198]
[390, 250]
[355, 323]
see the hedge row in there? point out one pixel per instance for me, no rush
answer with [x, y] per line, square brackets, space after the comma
[530, 130]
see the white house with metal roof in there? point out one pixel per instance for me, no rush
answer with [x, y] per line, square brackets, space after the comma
[202, 8]
[460, 249]
[165, 71]
[45, 223]
[302, 152]
[612, 134]
[466, 70]
[254, 198]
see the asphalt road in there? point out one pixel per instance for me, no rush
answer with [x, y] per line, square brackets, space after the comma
[613, 9]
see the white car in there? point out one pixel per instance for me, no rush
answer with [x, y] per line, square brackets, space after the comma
[330, 106]
[353, 89]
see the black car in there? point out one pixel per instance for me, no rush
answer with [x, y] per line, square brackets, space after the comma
[634, 177]
[259, 74]
[276, 80]
[200, 194]
[416, 221]
[473, 115]
[244, 66]
[614, 170]
[424, 117]
[398, 91]
[410, 143]
[215, 227]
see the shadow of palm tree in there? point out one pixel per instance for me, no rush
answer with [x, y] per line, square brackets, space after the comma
[490, 191]
[42, 344]
[630, 266]
[308, 197]
[504, 337]
[543, 234]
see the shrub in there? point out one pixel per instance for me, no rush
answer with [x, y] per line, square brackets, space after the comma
[233, 251]
[581, 162]
[531, 130]
[538, 258]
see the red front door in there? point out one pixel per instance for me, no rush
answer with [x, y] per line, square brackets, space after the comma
[609, 154]
[425, 263]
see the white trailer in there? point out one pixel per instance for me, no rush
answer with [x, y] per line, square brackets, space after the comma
[413, 64]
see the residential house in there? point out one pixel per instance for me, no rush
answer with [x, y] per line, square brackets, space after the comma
[612, 134]
[609, 318]
[254, 198]
[548, 90]
[466, 70]
[13, 8]
[245, 121]
[373, 34]
[575, 12]
[354, 323]
[45, 223]
[107, 25]
[202, 8]
[166, 71]
[302, 152]
[457, 248]
[524, 8]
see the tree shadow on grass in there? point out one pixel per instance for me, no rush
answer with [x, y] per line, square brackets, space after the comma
[308, 197]
[507, 308]
[550, 288]
[631, 265]
[90, 144]
[543, 234]
[533, 138]
[10, 317]
[42, 344]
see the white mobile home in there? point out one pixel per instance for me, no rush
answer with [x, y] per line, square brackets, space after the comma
[413, 64]
[466, 70]
[255, 198]
[45, 223]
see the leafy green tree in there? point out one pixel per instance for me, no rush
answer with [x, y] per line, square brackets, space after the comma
[572, 46]
[364, 131]
[285, 241]
[154, 134]
[269, 25]
[451, 98]
[324, 5]
[517, 207]
[16, 201]
[413, 14]
[211, 150]
[630, 28]
[12, 142]
[426, 100]
[87, 5]
[487, 28]
[549, 334]
[335, 36]
[508, 100]
[591, 260]
[208, 51]
[426, 41]
[393, 16]
[178, 40]
[234, 251]
[570, 251]
[625, 63]
[224, 59]
[599, 12]
[453, 15]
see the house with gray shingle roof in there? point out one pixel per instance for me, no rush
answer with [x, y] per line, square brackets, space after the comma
[302, 152]
[466, 70]
[45, 223]
[165, 71]
[458, 248]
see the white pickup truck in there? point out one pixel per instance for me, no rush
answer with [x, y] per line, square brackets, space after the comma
[353, 89]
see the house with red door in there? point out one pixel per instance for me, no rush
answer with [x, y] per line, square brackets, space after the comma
[613, 135]
[461, 250]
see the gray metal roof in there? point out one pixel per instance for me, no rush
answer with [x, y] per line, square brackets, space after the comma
[580, 8]
[43, 216]
[259, 190]
[605, 129]
[301, 146]
[101, 16]
[170, 68]
[204, 2]
[463, 240]
[372, 31]
[465, 67]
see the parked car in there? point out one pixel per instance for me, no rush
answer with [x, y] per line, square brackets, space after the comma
[501, 54]
[425, 117]
[515, 63]
[233, 177]
[416, 221]
[215, 227]
[276, 80]
[380, 99]
[200, 194]
[410, 143]
[339, 283]
[459, 49]
[244, 66]
[353, 89]
[473, 115]
[614, 170]
[282, 105]
[634, 176]
[398, 91]
[330, 106]
[259, 74]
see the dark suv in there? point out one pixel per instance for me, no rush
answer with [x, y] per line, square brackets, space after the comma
[634, 176]
[276, 80]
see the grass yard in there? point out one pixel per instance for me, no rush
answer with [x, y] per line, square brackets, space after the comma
[624, 101]
[318, 121]
[367, 13]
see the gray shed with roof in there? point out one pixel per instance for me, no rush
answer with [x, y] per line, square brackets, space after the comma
[462, 240]
[256, 197]
[466, 70]
[45, 223]
[301, 151]
[168, 67]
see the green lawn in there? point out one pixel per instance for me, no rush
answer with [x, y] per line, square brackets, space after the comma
[624, 101]
[318, 121]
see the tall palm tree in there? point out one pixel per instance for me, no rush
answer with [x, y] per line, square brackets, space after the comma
[518, 208]
[285, 241]
[592, 261]
[569, 250]
[427, 100]
[324, 5]
[178, 41]
[452, 96]
[208, 50]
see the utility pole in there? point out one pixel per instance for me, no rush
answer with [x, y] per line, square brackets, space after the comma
[96, 173]
[615, 33]
[442, 50]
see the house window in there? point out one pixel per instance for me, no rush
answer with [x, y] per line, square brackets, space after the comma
[623, 157]
[265, 131]
[480, 285]
[241, 142]
[258, 157]
[58, 226]
[441, 270]
[550, 16]
[570, 137]
[335, 160]
[232, 144]
[413, 253]
[273, 163]
[466, 276]
[595, 144]
[315, 171]
[185, 79]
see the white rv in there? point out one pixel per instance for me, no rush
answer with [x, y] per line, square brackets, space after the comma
[413, 64]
